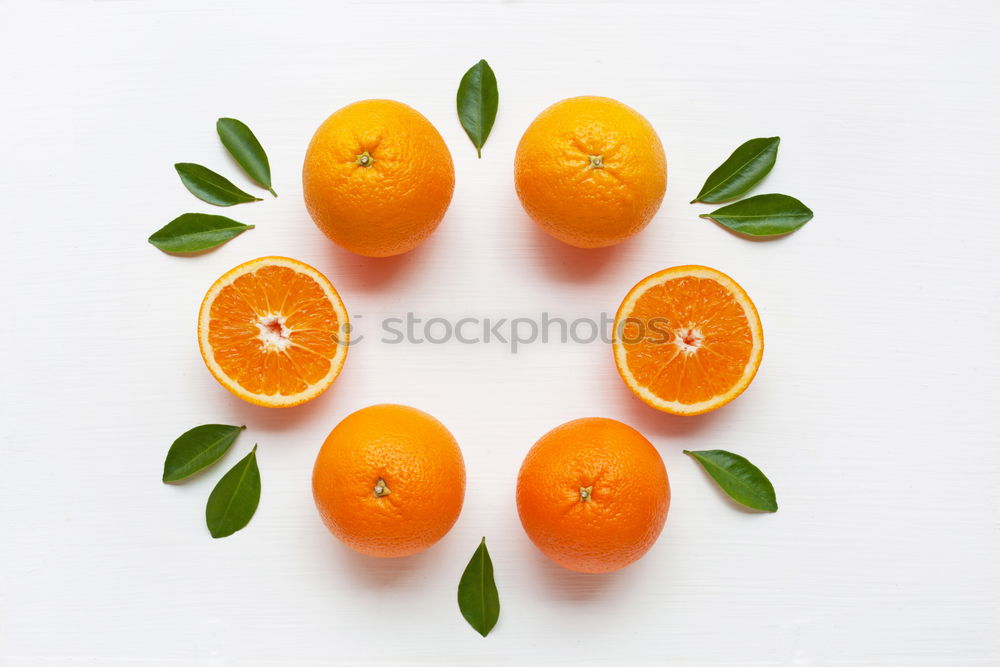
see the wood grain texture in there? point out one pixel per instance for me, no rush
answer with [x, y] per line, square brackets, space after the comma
[873, 412]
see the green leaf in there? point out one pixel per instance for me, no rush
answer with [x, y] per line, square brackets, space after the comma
[192, 232]
[209, 186]
[243, 145]
[197, 449]
[741, 171]
[477, 103]
[477, 592]
[762, 215]
[234, 499]
[741, 480]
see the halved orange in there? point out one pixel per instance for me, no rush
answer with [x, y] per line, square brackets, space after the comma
[687, 340]
[274, 332]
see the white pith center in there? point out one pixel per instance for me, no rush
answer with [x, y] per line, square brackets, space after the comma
[689, 339]
[274, 335]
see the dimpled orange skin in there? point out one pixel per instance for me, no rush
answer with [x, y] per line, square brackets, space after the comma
[590, 171]
[389, 481]
[377, 178]
[593, 495]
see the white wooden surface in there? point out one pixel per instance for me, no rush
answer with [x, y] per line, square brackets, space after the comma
[874, 412]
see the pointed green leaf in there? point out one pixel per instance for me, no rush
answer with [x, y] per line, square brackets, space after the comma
[478, 598]
[477, 103]
[741, 171]
[192, 232]
[234, 499]
[244, 147]
[741, 480]
[197, 449]
[762, 215]
[209, 186]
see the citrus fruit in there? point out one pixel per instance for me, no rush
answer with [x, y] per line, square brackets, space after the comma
[590, 171]
[273, 331]
[389, 480]
[377, 178]
[687, 340]
[593, 495]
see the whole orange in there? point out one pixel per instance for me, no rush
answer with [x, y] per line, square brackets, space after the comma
[377, 178]
[590, 171]
[389, 480]
[593, 495]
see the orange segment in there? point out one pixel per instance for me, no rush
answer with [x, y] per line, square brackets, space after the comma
[273, 331]
[687, 340]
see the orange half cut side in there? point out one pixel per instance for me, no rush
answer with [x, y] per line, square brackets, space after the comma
[687, 340]
[274, 332]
